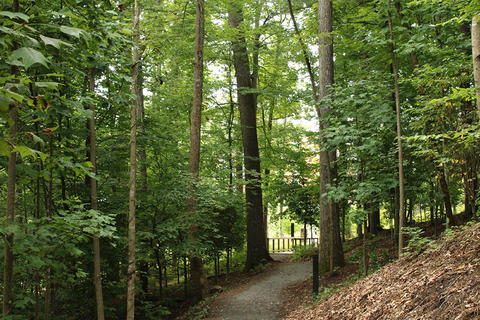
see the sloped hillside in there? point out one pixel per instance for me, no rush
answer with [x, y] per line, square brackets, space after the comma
[442, 283]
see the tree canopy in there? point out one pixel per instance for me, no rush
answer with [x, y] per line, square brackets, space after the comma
[66, 63]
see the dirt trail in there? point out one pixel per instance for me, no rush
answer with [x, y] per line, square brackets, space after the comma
[261, 298]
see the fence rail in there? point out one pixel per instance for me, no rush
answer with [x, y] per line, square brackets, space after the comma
[286, 244]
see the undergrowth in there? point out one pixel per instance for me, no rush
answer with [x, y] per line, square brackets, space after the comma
[304, 252]
[416, 241]
[326, 292]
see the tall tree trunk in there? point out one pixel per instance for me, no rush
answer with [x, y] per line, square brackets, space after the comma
[432, 203]
[476, 57]
[256, 242]
[470, 182]
[410, 211]
[10, 214]
[94, 203]
[336, 256]
[330, 245]
[374, 218]
[396, 214]
[267, 127]
[131, 270]
[49, 208]
[48, 201]
[198, 277]
[472, 176]
[446, 196]
[401, 221]
[230, 123]
[142, 155]
[364, 248]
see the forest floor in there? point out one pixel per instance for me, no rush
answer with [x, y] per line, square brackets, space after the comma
[441, 282]
[281, 286]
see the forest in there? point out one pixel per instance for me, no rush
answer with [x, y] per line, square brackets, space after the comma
[150, 146]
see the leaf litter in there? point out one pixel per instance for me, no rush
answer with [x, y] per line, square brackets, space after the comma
[442, 283]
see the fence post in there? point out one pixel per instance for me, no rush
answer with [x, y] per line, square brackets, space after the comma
[315, 274]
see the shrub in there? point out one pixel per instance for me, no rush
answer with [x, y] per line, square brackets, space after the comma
[304, 252]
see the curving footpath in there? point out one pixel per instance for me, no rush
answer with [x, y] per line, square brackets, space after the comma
[260, 299]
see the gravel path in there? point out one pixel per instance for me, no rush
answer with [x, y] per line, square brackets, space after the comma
[259, 300]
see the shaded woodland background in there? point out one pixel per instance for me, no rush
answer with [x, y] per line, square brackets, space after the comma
[66, 99]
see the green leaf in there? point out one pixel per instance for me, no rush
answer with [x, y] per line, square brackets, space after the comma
[47, 84]
[14, 15]
[11, 31]
[4, 148]
[76, 252]
[29, 57]
[14, 95]
[24, 151]
[75, 32]
[4, 103]
[36, 139]
[54, 42]
[42, 155]
[18, 34]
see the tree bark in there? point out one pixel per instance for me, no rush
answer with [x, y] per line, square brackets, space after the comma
[364, 249]
[256, 242]
[470, 183]
[410, 211]
[142, 155]
[49, 208]
[10, 214]
[446, 196]
[94, 204]
[336, 256]
[401, 221]
[374, 218]
[131, 270]
[198, 277]
[476, 57]
[330, 245]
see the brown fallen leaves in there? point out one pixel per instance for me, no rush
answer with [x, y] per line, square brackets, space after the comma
[441, 284]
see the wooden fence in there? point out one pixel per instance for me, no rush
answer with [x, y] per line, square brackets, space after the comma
[286, 244]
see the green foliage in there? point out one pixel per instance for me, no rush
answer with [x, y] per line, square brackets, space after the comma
[326, 292]
[416, 241]
[26, 57]
[304, 252]
[261, 267]
[88, 222]
[48, 49]
[151, 311]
